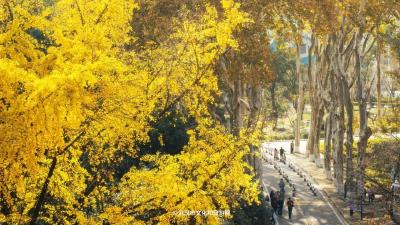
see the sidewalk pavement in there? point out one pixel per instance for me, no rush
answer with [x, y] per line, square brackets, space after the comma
[309, 209]
[328, 189]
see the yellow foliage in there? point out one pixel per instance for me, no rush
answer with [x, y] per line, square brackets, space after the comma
[71, 93]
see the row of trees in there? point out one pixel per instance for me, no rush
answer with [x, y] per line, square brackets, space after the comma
[347, 38]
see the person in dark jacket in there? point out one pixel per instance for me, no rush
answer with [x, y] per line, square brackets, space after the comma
[274, 201]
[281, 153]
[290, 205]
[291, 147]
[371, 196]
[281, 185]
[280, 203]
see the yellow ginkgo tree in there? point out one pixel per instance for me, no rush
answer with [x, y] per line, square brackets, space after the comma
[75, 101]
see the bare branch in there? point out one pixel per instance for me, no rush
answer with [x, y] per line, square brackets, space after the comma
[101, 14]
[80, 13]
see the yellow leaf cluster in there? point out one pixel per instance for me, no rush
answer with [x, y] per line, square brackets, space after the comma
[71, 93]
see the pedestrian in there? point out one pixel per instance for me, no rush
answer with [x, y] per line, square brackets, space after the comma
[281, 151]
[290, 205]
[352, 209]
[370, 193]
[275, 154]
[274, 201]
[282, 185]
[280, 204]
[283, 155]
[291, 147]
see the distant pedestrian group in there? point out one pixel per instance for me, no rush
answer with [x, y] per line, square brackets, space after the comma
[277, 200]
[282, 156]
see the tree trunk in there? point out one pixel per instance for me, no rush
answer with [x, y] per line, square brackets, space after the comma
[327, 144]
[42, 196]
[378, 79]
[313, 103]
[317, 154]
[299, 110]
[254, 96]
[365, 132]
[274, 113]
[334, 143]
[41, 199]
[312, 134]
[237, 114]
[339, 139]
[349, 138]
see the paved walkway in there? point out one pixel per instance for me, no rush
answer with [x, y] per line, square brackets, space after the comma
[309, 209]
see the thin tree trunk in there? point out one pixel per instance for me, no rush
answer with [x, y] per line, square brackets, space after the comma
[327, 144]
[299, 110]
[334, 143]
[42, 196]
[274, 113]
[311, 134]
[317, 154]
[254, 96]
[237, 115]
[378, 79]
[41, 199]
[313, 103]
[339, 139]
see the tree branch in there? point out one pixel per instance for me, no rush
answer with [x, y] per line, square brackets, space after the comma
[101, 14]
[80, 13]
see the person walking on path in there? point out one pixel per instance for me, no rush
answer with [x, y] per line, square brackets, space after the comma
[275, 154]
[370, 193]
[274, 200]
[352, 208]
[291, 147]
[290, 205]
[281, 197]
[282, 152]
[282, 185]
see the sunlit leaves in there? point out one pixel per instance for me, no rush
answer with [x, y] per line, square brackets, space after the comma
[72, 94]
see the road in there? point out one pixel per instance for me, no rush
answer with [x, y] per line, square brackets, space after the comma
[309, 209]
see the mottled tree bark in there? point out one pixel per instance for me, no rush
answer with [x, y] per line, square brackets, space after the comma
[339, 139]
[349, 139]
[313, 103]
[364, 132]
